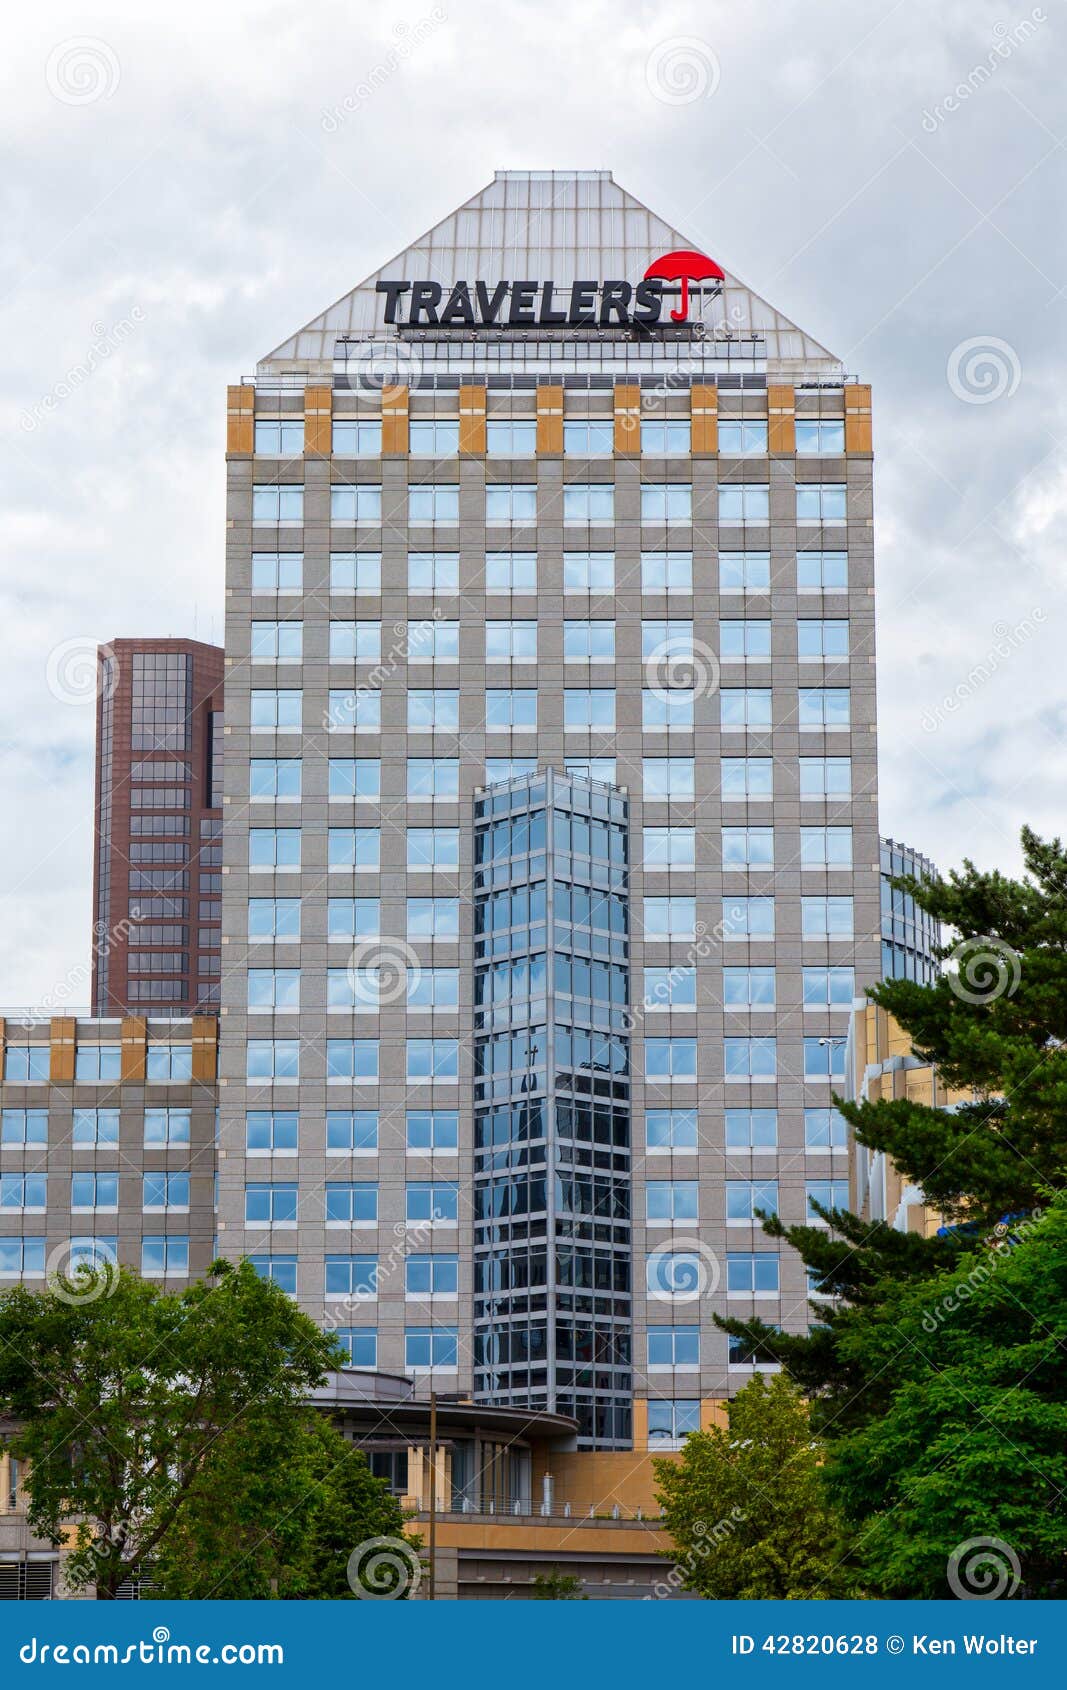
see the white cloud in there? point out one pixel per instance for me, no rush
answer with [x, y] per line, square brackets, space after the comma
[205, 192]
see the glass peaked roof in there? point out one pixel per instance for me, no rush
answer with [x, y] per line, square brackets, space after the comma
[559, 225]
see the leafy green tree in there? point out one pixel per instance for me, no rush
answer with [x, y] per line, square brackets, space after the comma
[933, 1369]
[744, 1505]
[125, 1396]
[973, 1442]
[278, 1511]
[557, 1587]
[995, 1025]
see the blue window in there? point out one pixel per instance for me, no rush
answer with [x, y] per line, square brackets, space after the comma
[432, 503]
[347, 1133]
[670, 1422]
[164, 1191]
[272, 1132]
[360, 1344]
[164, 1257]
[94, 1191]
[352, 1276]
[277, 572]
[357, 437]
[98, 1062]
[752, 1275]
[433, 778]
[25, 1126]
[828, 1194]
[277, 504]
[167, 1126]
[362, 503]
[751, 1129]
[825, 1129]
[355, 642]
[270, 1061]
[671, 1129]
[431, 1276]
[280, 1269]
[269, 1204]
[745, 1196]
[427, 1347]
[26, 1063]
[824, 1059]
[429, 1202]
[820, 503]
[353, 918]
[670, 1059]
[21, 1257]
[274, 778]
[170, 1062]
[741, 436]
[351, 1203]
[358, 778]
[274, 848]
[432, 1061]
[276, 711]
[669, 1201]
[673, 1346]
[23, 1191]
[280, 439]
[95, 1126]
[432, 1129]
[750, 1059]
[355, 1060]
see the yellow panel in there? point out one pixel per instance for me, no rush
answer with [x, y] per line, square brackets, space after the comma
[240, 420]
[318, 421]
[550, 420]
[627, 418]
[640, 1411]
[858, 433]
[705, 430]
[781, 419]
[62, 1035]
[394, 421]
[472, 421]
[134, 1043]
[205, 1048]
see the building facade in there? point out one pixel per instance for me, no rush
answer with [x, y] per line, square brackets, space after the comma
[107, 1146]
[157, 869]
[505, 556]
[910, 937]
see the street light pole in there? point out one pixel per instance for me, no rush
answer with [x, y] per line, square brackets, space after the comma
[432, 1582]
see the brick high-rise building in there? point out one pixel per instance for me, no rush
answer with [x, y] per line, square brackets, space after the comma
[157, 836]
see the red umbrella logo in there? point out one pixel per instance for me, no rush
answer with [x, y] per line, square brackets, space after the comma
[684, 267]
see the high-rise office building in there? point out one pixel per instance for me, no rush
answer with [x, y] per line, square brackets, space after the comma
[551, 843]
[910, 937]
[158, 826]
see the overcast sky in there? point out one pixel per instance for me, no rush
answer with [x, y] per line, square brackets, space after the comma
[183, 190]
